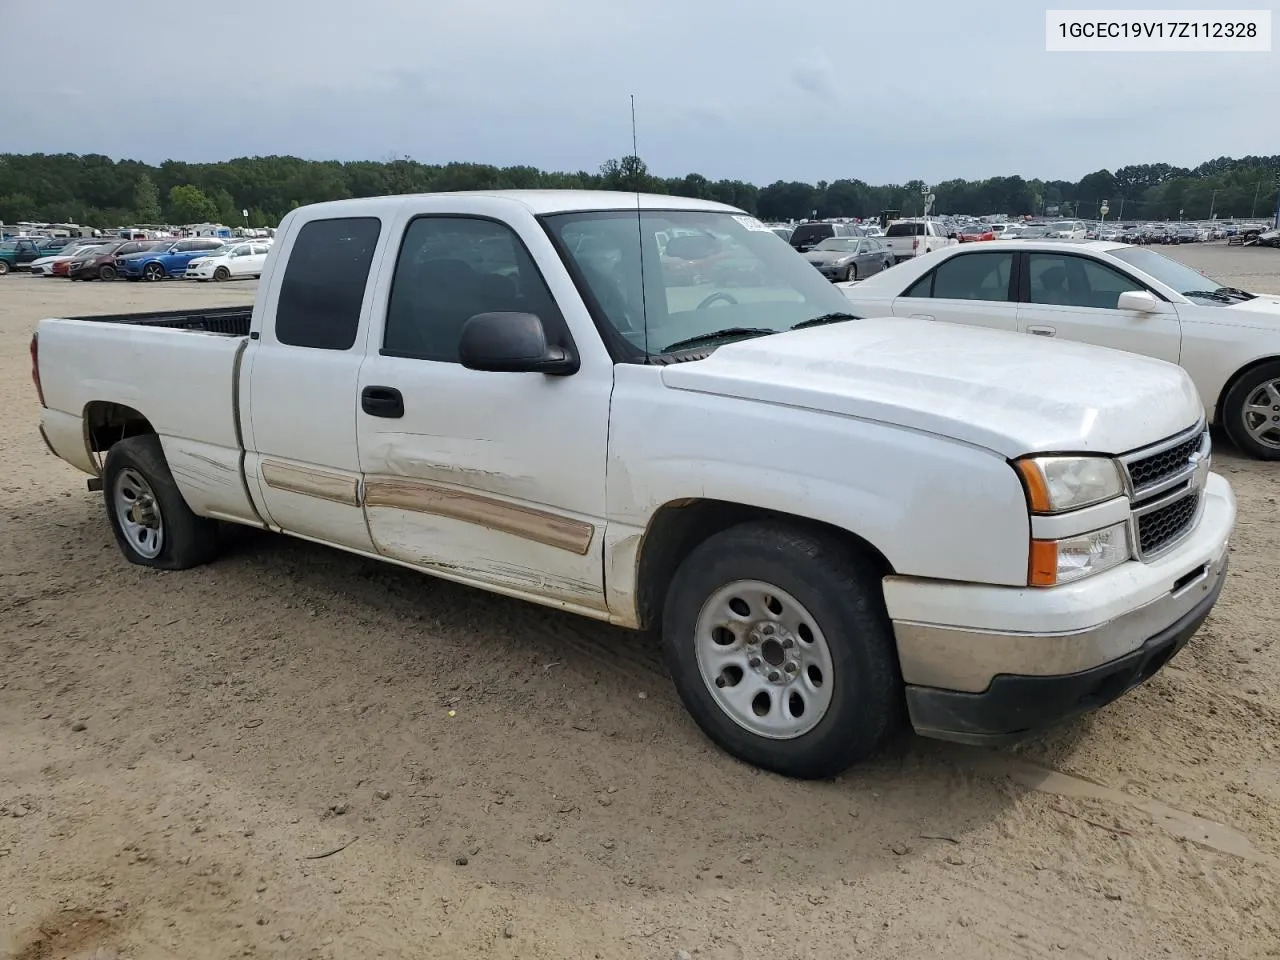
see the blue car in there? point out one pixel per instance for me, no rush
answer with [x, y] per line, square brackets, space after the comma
[167, 259]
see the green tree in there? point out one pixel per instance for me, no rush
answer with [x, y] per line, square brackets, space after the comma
[146, 200]
[188, 204]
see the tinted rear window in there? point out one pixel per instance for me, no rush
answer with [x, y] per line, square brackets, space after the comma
[324, 282]
[905, 230]
[807, 233]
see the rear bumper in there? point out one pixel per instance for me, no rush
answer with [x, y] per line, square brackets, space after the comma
[1015, 706]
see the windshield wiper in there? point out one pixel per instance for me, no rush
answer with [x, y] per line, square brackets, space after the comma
[727, 333]
[1208, 295]
[825, 319]
[1236, 292]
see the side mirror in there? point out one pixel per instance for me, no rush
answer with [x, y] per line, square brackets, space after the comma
[1138, 300]
[512, 343]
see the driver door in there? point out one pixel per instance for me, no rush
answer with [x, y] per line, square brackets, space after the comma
[473, 475]
[1073, 297]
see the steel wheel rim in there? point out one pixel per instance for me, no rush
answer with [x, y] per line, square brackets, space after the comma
[138, 513]
[764, 659]
[1261, 414]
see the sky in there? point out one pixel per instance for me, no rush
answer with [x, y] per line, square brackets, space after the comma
[885, 91]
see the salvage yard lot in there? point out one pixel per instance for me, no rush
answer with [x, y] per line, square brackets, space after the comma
[182, 754]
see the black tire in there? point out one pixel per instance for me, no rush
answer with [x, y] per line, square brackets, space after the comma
[851, 273]
[4, 267]
[840, 590]
[1235, 419]
[106, 272]
[185, 540]
[221, 274]
[153, 272]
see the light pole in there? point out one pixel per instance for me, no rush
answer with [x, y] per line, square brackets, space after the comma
[1212, 203]
[1256, 187]
[1103, 223]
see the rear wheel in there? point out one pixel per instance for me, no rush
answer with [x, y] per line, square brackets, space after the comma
[222, 273]
[153, 271]
[106, 272]
[152, 523]
[781, 649]
[1251, 412]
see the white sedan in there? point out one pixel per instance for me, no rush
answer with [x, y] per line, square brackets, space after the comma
[242, 261]
[1113, 295]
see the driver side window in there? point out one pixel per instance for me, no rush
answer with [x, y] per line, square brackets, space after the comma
[451, 268]
[1066, 280]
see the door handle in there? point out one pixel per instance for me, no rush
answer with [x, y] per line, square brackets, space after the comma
[382, 402]
[1042, 331]
[921, 316]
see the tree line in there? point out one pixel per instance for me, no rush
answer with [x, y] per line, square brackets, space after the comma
[95, 190]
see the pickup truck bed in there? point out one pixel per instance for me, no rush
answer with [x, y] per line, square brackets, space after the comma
[228, 321]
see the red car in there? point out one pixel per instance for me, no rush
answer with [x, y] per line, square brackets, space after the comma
[975, 233]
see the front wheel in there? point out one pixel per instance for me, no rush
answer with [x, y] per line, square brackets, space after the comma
[1251, 412]
[4, 267]
[153, 271]
[152, 523]
[222, 273]
[106, 272]
[779, 644]
[851, 272]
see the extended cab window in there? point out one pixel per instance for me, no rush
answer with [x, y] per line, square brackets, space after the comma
[324, 282]
[1066, 280]
[449, 270]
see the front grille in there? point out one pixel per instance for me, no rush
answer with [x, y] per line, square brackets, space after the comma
[1165, 525]
[1150, 471]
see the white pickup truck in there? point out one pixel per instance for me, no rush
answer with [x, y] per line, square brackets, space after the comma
[911, 238]
[831, 521]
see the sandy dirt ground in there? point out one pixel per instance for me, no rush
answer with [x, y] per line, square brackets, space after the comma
[257, 758]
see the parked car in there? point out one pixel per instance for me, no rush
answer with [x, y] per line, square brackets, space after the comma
[835, 522]
[808, 235]
[236, 261]
[850, 258]
[100, 264]
[910, 238]
[1067, 230]
[43, 267]
[1112, 295]
[167, 259]
[18, 254]
[975, 233]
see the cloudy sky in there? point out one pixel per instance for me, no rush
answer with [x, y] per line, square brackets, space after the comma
[882, 90]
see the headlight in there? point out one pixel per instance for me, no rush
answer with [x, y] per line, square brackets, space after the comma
[1055, 562]
[1056, 484]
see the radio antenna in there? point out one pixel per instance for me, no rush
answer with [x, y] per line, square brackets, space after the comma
[635, 176]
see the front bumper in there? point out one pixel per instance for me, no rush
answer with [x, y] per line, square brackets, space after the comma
[994, 664]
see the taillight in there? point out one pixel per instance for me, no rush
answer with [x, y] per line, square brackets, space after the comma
[35, 367]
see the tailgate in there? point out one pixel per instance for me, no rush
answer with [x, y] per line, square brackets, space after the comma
[179, 380]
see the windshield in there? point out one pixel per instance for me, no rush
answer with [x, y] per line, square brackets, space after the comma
[1063, 226]
[1169, 272]
[727, 271]
[841, 244]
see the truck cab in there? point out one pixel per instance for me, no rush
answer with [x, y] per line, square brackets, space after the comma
[19, 252]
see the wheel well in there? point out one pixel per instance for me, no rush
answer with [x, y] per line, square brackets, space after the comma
[1233, 380]
[107, 423]
[678, 527]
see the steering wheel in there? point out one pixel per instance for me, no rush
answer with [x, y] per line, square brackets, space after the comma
[727, 298]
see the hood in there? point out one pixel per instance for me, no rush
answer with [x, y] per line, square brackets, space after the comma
[1261, 303]
[1003, 391]
[827, 256]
